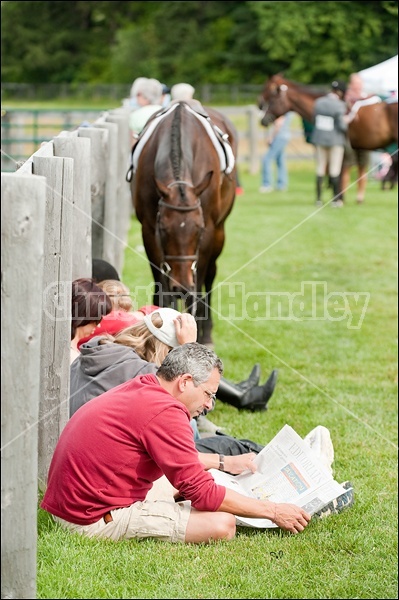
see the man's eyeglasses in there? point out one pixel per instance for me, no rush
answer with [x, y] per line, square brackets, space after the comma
[210, 395]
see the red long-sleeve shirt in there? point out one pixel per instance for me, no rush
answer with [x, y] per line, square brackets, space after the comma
[115, 446]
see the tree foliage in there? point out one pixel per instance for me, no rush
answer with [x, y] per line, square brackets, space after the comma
[309, 40]
[196, 41]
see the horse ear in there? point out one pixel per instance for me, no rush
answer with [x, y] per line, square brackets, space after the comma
[203, 184]
[162, 188]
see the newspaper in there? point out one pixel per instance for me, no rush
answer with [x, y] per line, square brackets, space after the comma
[288, 470]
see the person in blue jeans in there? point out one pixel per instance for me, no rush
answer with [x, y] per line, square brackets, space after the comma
[279, 138]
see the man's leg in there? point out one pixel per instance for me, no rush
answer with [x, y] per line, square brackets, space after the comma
[207, 526]
[166, 521]
[282, 172]
[267, 168]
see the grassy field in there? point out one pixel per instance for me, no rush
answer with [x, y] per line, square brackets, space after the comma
[336, 353]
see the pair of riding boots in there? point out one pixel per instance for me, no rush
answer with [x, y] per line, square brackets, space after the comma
[335, 184]
[248, 394]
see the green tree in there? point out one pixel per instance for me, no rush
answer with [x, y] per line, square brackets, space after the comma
[317, 41]
[197, 41]
[52, 42]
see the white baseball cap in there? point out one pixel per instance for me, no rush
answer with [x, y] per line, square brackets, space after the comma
[167, 332]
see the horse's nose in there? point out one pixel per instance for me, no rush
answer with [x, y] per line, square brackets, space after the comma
[265, 121]
[181, 290]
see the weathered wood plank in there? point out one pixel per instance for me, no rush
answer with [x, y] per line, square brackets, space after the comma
[98, 176]
[23, 199]
[79, 148]
[56, 302]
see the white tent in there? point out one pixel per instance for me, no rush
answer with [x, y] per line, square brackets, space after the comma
[382, 78]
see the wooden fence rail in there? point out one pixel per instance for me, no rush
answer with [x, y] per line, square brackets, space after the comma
[68, 202]
[22, 131]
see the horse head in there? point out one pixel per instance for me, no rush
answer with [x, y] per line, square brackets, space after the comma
[179, 227]
[274, 100]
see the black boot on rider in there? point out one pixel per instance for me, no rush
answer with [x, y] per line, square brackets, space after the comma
[336, 183]
[252, 380]
[254, 399]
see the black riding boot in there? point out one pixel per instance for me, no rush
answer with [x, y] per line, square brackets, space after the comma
[336, 185]
[252, 380]
[256, 398]
[319, 188]
[341, 193]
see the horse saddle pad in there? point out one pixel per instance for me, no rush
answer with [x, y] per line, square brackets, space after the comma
[217, 136]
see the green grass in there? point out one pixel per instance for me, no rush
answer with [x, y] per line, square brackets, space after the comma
[342, 377]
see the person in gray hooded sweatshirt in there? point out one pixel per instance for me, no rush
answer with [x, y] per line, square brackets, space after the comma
[107, 361]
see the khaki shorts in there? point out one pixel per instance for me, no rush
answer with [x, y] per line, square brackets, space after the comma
[163, 520]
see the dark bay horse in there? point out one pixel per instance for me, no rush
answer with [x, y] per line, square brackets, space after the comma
[374, 127]
[182, 193]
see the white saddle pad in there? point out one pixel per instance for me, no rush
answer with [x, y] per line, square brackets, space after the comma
[222, 146]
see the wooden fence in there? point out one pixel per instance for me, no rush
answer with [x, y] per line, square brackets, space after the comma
[22, 132]
[67, 203]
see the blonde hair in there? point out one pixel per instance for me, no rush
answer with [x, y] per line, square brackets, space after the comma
[140, 338]
[119, 294]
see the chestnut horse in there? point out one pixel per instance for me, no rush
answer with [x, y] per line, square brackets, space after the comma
[182, 193]
[374, 127]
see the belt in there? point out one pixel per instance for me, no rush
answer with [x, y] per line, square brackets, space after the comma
[107, 518]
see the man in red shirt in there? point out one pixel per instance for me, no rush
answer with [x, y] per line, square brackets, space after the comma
[115, 446]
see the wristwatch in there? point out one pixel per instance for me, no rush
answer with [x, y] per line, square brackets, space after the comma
[221, 462]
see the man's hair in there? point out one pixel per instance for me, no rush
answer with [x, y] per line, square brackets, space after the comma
[151, 90]
[193, 358]
[182, 91]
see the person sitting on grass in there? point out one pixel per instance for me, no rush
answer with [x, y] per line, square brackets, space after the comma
[122, 314]
[106, 362]
[89, 305]
[113, 449]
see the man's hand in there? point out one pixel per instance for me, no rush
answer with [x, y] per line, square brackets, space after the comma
[242, 462]
[290, 517]
[186, 328]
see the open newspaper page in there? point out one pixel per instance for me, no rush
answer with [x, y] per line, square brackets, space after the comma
[288, 471]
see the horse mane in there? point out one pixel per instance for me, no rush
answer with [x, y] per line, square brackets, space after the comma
[312, 90]
[175, 137]
[176, 151]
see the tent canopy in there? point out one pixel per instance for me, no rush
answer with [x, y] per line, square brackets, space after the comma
[382, 78]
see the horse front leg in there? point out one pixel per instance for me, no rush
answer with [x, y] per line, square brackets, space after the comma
[204, 312]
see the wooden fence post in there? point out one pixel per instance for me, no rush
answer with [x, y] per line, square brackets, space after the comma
[56, 306]
[98, 175]
[253, 158]
[22, 234]
[124, 200]
[110, 197]
[71, 146]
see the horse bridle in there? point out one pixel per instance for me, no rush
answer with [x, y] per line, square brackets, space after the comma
[282, 88]
[164, 265]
